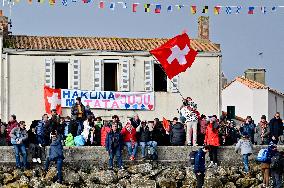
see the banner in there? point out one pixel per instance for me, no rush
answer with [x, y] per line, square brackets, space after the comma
[109, 99]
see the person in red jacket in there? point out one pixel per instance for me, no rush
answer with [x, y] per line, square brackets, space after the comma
[104, 131]
[212, 139]
[129, 138]
[11, 125]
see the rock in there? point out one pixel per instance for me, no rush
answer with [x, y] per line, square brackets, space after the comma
[8, 178]
[15, 184]
[17, 173]
[72, 178]
[28, 173]
[166, 182]
[221, 171]
[141, 168]
[124, 182]
[230, 185]
[190, 179]
[35, 182]
[57, 185]
[246, 182]
[50, 174]
[138, 177]
[83, 176]
[234, 178]
[143, 184]
[213, 183]
[174, 172]
[123, 174]
[24, 181]
[103, 177]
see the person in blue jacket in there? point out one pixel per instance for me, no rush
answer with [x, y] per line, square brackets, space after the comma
[199, 165]
[55, 154]
[114, 146]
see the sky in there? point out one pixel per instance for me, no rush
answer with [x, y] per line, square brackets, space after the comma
[242, 36]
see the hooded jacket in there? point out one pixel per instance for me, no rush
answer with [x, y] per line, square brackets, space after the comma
[56, 149]
[211, 136]
[177, 134]
[245, 145]
[11, 125]
[129, 135]
[18, 134]
[276, 127]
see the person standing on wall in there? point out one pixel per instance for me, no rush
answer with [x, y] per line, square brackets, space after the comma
[18, 136]
[262, 132]
[276, 128]
[177, 133]
[248, 128]
[199, 165]
[114, 146]
[78, 114]
[212, 139]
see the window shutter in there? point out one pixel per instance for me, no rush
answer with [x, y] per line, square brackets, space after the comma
[148, 66]
[49, 81]
[124, 75]
[173, 85]
[98, 75]
[76, 84]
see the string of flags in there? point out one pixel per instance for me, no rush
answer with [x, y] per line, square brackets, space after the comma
[158, 8]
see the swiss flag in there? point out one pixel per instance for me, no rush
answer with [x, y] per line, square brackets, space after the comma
[175, 55]
[52, 99]
[166, 124]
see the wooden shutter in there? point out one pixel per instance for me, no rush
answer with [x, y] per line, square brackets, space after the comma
[124, 75]
[173, 85]
[98, 75]
[49, 77]
[148, 75]
[76, 84]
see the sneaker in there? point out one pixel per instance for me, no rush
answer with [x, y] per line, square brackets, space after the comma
[38, 160]
[132, 158]
[40, 145]
[215, 165]
[195, 145]
[189, 144]
[211, 164]
[34, 160]
[143, 158]
[121, 168]
[110, 168]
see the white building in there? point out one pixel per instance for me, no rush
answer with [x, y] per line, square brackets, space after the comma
[99, 63]
[252, 98]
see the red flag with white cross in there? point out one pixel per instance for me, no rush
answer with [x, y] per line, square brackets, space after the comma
[175, 55]
[52, 99]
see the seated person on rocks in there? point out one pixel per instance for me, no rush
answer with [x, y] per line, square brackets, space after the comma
[177, 133]
[129, 138]
[114, 146]
[18, 136]
[55, 154]
[33, 145]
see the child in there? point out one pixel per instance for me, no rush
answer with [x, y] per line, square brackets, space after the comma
[246, 150]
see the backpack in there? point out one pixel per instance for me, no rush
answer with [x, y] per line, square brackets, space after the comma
[263, 155]
[79, 140]
[276, 162]
[152, 153]
[69, 141]
[192, 157]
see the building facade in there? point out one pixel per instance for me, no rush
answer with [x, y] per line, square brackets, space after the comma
[103, 64]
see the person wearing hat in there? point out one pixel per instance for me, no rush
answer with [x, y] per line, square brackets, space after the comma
[78, 114]
[262, 131]
[143, 136]
[248, 128]
[130, 140]
[18, 136]
[245, 145]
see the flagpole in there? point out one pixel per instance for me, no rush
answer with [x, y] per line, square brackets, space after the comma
[169, 79]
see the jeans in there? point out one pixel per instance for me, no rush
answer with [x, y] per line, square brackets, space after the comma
[276, 178]
[20, 148]
[35, 150]
[132, 150]
[111, 154]
[200, 180]
[80, 126]
[59, 162]
[246, 162]
[191, 132]
[40, 140]
[213, 154]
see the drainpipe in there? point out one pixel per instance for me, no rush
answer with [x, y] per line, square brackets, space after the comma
[219, 86]
[6, 86]
[1, 78]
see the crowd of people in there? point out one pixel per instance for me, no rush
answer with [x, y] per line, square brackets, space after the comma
[83, 128]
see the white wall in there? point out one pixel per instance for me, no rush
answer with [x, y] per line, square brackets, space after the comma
[26, 81]
[272, 104]
[240, 96]
[260, 104]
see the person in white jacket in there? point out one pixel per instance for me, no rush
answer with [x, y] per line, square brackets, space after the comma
[246, 150]
[88, 124]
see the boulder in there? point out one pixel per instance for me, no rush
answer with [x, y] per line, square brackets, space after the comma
[230, 185]
[141, 168]
[57, 185]
[71, 178]
[124, 182]
[36, 182]
[103, 177]
[213, 183]
[143, 184]
[123, 174]
[24, 181]
[246, 182]
[166, 182]
[8, 178]
[51, 174]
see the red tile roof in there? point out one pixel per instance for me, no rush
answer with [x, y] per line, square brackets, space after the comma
[97, 43]
[254, 85]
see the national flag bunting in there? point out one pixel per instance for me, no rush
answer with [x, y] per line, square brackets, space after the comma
[158, 9]
[170, 8]
[175, 55]
[134, 7]
[229, 10]
[263, 9]
[147, 7]
[51, 2]
[166, 124]
[217, 10]
[30, 1]
[251, 9]
[124, 5]
[205, 10]
[238, 10]
[179, 6]
[102, 5]
[112, 6]
[193, 9]
[52, 99]
[273, 9]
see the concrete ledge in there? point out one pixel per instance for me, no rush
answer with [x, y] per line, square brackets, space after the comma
[167, 154]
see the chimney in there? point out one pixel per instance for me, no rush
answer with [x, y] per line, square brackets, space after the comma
[203, 28]
[257, 75]
[4, 25]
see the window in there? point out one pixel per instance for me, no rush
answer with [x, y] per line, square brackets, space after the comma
[110, 77]
[61, 75]
[160, 79]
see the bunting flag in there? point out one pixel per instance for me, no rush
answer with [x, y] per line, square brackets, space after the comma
[217, 10]
[30, 1]
[112, 6]
[102, 5]
[124, 5]
[238, 10]
[166, 125]
[179, 6]
[158, 9]
[64, 2]
[251, 9]
[193, 9]
[134, 7]
[170, 8]
[51, 2]
[273, 9]
[84, 1]
[229, 10]
[263, 9]
[205, 10]
[147, 7]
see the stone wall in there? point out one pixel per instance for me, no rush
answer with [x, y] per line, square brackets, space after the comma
[167, 154]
